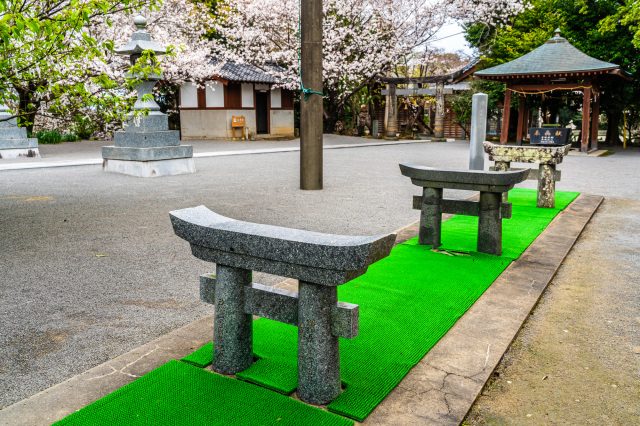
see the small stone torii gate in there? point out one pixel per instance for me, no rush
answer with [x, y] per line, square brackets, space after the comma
[439, 92]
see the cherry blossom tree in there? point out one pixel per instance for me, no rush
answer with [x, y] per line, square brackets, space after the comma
[361, 38]
[177, 23]
[57, 62]
[42, 43]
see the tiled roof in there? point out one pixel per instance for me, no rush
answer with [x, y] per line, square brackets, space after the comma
[247, 73]
[555, 56]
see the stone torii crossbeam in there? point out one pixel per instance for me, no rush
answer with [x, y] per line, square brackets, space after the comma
[321, 262]
[490, 209]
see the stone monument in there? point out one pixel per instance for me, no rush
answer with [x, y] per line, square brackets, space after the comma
[548, 157]
[478, 131]
[13, 139]
[146, 147]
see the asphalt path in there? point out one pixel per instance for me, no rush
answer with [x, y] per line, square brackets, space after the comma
[90, 267]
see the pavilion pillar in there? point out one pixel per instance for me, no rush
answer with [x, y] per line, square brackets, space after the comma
[586, 113]
[595, 118]
[520, 121]
[506, 115]
[392, 112]
[438, 128]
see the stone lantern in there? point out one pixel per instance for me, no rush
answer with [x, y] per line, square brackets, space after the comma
[146, 147]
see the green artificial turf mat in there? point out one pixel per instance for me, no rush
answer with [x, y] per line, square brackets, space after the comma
[529, 197]
[460, 232]
[202, 357]
[408, 301]
[180, 394]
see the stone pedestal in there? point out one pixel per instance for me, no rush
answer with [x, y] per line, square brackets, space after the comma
[13, 139]
[146, 147]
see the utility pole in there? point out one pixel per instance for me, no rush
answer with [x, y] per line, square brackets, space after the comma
[311, 108]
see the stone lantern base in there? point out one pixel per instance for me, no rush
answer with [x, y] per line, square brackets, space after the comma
[176, 166]
[17, 148]
[148, 154]
[13, 139]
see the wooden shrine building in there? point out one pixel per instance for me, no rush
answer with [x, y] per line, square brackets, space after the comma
[554, 66]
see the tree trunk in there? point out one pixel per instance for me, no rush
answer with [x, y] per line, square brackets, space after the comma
[27, 105]
[613, 132]
[331, 114]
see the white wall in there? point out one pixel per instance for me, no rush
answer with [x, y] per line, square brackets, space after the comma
[247, 95]
[276, 98]
[282, 122]
[189, 95]
[211, 124]
[215, 94]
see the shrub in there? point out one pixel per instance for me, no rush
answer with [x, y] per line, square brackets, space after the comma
[84, 127]
[70, 137]
[49, 137]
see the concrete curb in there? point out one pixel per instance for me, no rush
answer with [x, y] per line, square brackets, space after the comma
[98, 161]
[439, 390]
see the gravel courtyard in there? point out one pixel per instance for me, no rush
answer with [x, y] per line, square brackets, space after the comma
[90, 267]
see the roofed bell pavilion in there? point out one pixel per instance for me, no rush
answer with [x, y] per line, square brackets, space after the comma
[556, 65]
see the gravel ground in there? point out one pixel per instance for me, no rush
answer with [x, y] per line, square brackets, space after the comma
[66, 310]
[577, 359]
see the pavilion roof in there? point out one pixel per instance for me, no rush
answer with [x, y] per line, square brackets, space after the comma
[557, 55]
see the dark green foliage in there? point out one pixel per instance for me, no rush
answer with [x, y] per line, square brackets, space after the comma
[70, 137]
[50, 137]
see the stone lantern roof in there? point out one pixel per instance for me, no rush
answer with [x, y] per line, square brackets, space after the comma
[140, 41]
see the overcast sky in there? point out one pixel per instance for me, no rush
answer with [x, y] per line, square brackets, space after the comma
[451, 39]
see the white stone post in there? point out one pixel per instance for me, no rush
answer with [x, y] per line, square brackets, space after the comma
[478, 131]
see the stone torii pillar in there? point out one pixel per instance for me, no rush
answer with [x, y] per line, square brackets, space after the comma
[392, 117]
[438, 128]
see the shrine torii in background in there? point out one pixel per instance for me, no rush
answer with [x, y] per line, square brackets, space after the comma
[439, 92]
[556, 65]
